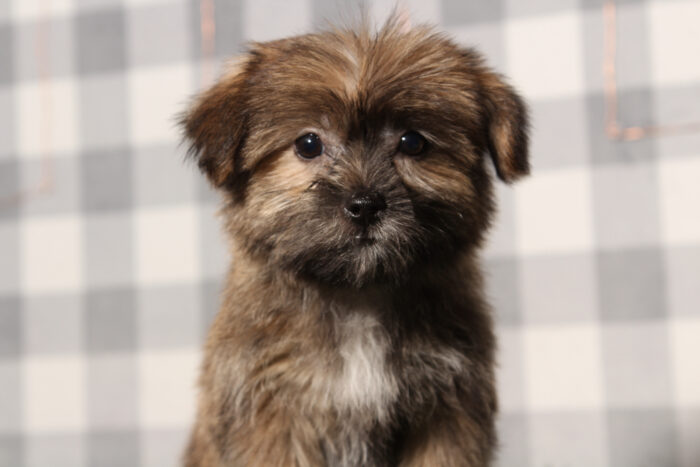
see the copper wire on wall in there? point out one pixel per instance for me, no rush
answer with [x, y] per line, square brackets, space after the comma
[613, 128]
[46, 183]
[207, 26]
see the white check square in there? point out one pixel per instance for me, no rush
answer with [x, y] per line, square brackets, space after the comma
[167, 387]
[564, 367]
[167, 245]
[544, 54]
[554, 211]
[35, 9]
[289, 19]
[46, 117]
[54, 396]
[680, 193]
[52, 254]
[685, 349]
[156, 96]
[675, 41]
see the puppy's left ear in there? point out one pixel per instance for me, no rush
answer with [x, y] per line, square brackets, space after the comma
[215, 125]
[507, 128]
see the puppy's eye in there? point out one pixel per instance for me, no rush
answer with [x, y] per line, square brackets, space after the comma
[412, 143]
[309, 146]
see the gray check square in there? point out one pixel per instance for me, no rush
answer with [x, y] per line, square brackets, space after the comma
[682, 272]
[227, 40]
[502, 289]
[677, 105]
[487, 38]
[11, 450]
[213, 249]
[599, 3]
[64, 194]
[206, 194]
[631, 284]
[11, 400]
[96, 4]
[538, 7]
[8, 126]
[107, 176]
[110, 319]
[109, 249]
[635, 107]
[103, 111]
[194, 25]
[6, 54]
[55, 450]
[161, 177]
[112, 391]
[605, 150]
[162, 447]
[155, 33]
[592, 51]
[511, 371]
[571, 438]
[169, 316]
[643, 437]
[9, 252]
[58, 32]
[10, 326]
[565, 143]
[637, 365]
[674, 144]
[559, 288]
[101, 40]
[460, 12]
[514, 440]
[114, 449]
[633, 60]
[9, 188]
[325, 11]
[688, 423]
[501, 238]
[53, 324]
[210, 293]
[625, 201]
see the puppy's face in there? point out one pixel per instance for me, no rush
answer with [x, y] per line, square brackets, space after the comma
[351, 158]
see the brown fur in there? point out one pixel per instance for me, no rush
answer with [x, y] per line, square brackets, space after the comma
[328, 350]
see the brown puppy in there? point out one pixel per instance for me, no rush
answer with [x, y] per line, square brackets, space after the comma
[353, 330]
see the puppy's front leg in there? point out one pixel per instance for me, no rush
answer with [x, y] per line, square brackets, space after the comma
[282, 439]
[275, 438]
[448, 440]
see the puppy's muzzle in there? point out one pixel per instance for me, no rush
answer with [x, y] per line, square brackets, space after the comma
[363, 207]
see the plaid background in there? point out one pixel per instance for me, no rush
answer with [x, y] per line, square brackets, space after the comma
[109, 278]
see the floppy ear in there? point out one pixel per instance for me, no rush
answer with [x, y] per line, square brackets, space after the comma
[507, 126]
[215, 125]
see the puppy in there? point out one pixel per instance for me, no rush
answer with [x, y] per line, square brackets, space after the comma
[355, 174]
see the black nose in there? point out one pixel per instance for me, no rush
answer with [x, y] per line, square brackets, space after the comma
[363, 207]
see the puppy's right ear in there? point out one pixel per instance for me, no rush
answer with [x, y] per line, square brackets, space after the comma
[215, 125]
[507, 128]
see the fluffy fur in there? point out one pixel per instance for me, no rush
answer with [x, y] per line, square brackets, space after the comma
[336, 344]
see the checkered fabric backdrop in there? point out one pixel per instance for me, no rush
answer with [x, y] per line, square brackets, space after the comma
[111, 255]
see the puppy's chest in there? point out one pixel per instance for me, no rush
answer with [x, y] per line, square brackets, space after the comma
[370, 372]
[363, 379]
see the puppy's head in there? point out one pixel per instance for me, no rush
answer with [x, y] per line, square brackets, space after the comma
[352, 157]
